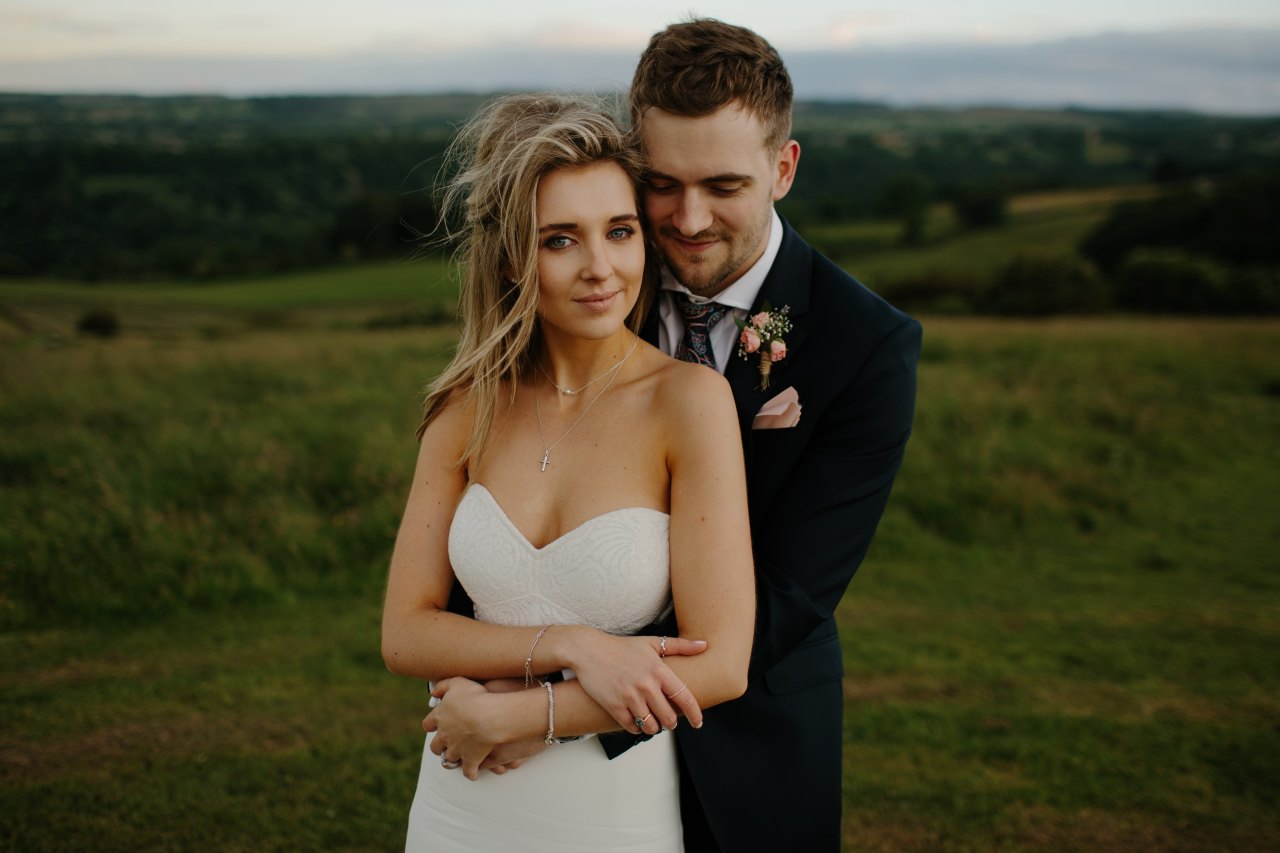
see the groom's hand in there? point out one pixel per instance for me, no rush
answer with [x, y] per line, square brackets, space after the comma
[509, 756]
[463, 725]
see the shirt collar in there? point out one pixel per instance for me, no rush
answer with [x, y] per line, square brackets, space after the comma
[742, 293]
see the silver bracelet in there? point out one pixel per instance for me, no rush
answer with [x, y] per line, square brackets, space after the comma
[551, 715]
[528, 660]
[551, 739]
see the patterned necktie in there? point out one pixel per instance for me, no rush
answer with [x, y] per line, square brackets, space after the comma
[699, 319]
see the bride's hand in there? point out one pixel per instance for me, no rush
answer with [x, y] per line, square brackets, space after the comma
[627, 677]
[463, 725]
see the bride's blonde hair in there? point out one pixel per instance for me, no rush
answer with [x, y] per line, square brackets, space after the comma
[501, 154]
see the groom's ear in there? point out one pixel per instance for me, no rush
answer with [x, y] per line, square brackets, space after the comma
[785, 168]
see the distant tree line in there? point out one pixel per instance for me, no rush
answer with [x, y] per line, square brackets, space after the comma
[1208, 247]
[199, 187]
[97, 211]
[203, 187]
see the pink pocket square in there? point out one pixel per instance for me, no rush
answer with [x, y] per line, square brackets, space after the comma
[782, 412]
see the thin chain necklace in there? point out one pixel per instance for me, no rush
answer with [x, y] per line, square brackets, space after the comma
[570, 392]
[537, 408]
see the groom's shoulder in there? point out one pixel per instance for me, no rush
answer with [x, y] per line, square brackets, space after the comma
[842, 303]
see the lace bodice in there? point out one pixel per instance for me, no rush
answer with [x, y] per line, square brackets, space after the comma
[611, 572]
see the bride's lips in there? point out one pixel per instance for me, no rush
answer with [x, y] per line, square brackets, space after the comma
[598, 302]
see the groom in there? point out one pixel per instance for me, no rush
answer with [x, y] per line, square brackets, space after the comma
[712, 104]
[823, 442]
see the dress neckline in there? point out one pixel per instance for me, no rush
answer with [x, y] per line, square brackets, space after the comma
[502, 513]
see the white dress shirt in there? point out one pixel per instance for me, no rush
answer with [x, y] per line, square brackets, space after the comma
[738, 296]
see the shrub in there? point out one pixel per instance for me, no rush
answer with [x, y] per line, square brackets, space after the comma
[1166, 280]
[906, 197]
[1170, 281]
[1168, 221]
[1254, 290]
[933, 292]
[979, 205]
[1233, 223]
[99, 322]
[1033, 285]
[438, 314]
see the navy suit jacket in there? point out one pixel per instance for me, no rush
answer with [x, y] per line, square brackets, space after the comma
[766, 768]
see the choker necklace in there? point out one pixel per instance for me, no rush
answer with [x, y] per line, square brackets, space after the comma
[573, 391]
[547, 448]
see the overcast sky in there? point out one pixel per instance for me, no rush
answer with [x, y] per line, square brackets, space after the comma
[51, 29]
[956, 51]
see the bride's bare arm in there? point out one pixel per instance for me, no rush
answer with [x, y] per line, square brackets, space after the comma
[420, 638]
[712, 575]
[712, 583]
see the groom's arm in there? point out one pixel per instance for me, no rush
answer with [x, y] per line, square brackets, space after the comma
[812, 538]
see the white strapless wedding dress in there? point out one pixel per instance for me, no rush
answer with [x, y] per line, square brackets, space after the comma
[611, 572]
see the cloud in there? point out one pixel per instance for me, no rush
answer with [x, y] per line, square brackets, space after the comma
[1232, 71]
[1214, 71]
[35, 23]
[848, 30]
[587, 37]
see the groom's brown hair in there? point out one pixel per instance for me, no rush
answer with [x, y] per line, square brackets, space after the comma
[694, 68]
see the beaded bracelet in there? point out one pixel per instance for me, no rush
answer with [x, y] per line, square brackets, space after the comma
[551, 715]
[551, 739]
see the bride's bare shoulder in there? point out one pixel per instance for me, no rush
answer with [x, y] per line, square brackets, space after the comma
[685, 391]
[453, 414]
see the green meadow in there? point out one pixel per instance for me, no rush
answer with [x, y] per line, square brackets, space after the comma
[1063, 638]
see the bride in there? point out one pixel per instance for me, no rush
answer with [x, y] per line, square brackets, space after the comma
[579, 484]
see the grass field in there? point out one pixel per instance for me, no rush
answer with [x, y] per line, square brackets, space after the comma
[343, 297]
[1063, 637]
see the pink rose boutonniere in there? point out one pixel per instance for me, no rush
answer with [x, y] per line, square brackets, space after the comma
[762, 333]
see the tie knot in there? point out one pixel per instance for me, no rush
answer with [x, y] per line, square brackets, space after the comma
[699, 317]
[704, 314]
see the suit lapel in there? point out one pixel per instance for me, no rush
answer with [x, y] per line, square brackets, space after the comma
[786, 284]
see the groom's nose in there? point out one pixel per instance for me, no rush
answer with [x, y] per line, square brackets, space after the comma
[692, 214]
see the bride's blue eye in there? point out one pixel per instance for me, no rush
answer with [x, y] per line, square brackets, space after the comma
[559, 241]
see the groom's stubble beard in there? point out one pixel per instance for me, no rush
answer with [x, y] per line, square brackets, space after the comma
[697, 272]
